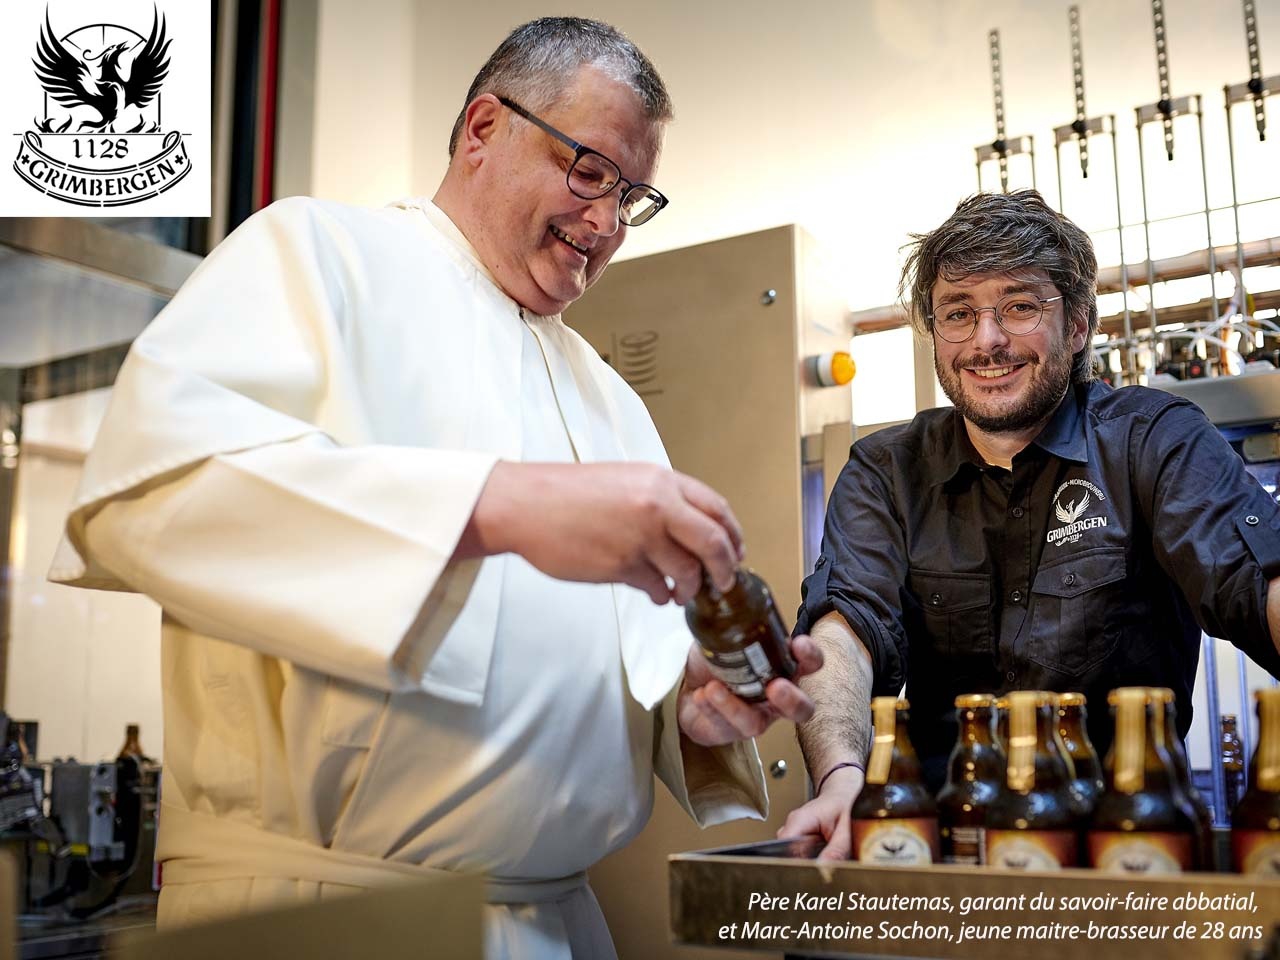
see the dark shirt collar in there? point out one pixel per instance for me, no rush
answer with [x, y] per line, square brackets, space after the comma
[958, 456]
[1062, 436]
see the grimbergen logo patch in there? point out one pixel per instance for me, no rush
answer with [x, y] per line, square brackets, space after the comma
[1071, 505]
[108, 125]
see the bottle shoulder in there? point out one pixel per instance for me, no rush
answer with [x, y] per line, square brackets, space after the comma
[878, 801]
[1146, 810]
[1257, 810]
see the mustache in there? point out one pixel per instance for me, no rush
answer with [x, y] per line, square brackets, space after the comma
[1001, 358]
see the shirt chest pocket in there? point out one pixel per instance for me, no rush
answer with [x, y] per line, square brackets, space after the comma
[955, 611]
[1077, 602]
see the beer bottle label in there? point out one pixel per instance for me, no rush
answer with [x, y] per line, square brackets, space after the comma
[1256, 852]
[966, 845]
[1152, 854]
[745, 672]
[905, 842]
[1031, 849]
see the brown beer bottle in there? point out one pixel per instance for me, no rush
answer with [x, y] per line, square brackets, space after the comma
[1255, 822]
[973, 780]
[894, 819]
[1232, 760]
[1087, 785]
[741, 634]
[132, 746]
[22, 743]
[1032, 824]
[1164, 699]
[1141, 825]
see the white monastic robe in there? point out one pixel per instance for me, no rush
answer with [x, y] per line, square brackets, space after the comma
[292, 450]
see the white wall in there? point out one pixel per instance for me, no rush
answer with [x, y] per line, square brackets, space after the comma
[365, 92]
[856, 119]
[82, 662]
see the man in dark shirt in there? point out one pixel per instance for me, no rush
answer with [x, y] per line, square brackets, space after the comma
[1048, 532]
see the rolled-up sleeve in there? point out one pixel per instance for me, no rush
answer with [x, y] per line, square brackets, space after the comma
[1215, 529]
[863, 566]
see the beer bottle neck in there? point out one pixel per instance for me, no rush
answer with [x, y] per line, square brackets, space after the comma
[1266, 758]
[976, 756]
[1173, 743]
[1035, 757]
[1128, 774]
[976, 727]
[710, 602]
[892, 755]
[1071, 728]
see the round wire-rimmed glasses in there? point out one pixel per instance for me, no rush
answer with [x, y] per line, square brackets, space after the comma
[592, 175]
[1018, 314]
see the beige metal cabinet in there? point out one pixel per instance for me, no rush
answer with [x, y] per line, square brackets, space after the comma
[714, 338]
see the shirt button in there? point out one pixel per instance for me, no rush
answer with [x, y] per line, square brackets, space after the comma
[1251, 520]
[1069, 579]
[1017, 513]
[935, 599]
[1011, 677]
[1016, 596]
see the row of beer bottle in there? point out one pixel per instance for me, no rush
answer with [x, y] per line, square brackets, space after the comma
[1028, 792]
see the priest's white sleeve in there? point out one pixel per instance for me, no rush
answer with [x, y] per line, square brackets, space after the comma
[294, 445]
[713, 784]
[336, 559]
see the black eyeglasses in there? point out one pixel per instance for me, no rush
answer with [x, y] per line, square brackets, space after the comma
[592, 175]
[1018, 313]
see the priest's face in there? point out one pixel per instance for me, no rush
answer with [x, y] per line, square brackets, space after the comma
[542, 243]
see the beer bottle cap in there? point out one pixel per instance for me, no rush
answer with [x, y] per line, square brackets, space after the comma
[972, 701]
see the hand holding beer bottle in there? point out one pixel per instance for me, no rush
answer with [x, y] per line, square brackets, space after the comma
[740, 670]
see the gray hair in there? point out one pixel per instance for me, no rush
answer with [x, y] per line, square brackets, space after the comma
[1004, 233]
[538, 62]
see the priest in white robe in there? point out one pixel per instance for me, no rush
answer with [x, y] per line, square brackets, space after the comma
[414, 541]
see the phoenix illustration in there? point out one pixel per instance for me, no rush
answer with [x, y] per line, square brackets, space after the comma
[1071, 512]
[68, 79]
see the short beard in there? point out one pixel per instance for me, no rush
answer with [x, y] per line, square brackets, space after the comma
[1047, 390]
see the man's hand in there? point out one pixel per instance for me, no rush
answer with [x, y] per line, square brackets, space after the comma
[711, 716]
[827, 815]
[633, 523]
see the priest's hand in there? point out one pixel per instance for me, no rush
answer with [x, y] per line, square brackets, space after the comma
[827, 814]
[710, 715]
[633, 523]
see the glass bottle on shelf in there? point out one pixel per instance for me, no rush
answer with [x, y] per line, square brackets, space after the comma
[132, 746]
[1232, 760]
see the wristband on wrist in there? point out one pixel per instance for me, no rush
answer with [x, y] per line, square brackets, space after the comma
[838, 766]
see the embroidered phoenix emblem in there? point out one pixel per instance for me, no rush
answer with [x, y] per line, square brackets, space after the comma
[1071, 512]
